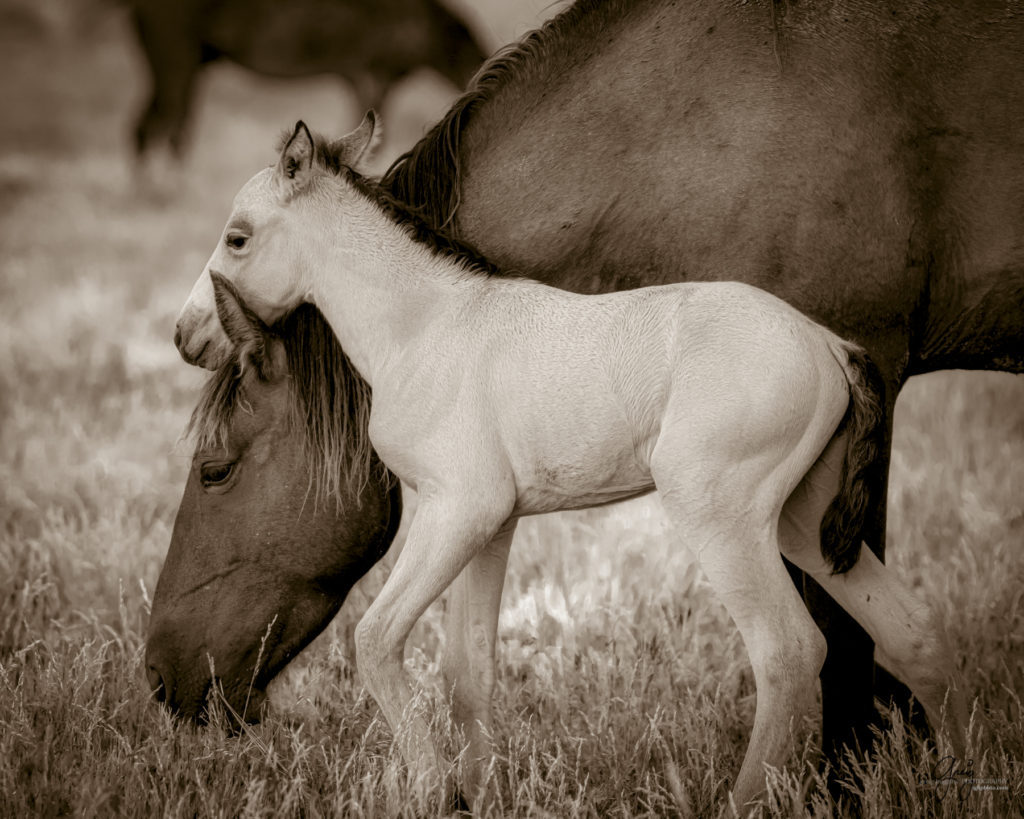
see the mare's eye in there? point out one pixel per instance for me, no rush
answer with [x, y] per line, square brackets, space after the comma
[215, 474]
[236, 241]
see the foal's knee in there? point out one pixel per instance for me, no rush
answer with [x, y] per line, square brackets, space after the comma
[790, 671]
[813, 649]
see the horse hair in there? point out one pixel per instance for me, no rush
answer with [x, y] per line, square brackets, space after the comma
[427, 177]
[330, 403]
[419, 227]
[863, 471]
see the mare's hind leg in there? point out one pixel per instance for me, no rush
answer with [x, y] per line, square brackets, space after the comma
[735, 542]
[909, 641]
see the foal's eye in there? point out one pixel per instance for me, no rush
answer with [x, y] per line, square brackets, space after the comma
[236, 241]
[215, 474]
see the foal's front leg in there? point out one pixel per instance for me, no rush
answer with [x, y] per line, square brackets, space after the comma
[471, 628]
[443, 538]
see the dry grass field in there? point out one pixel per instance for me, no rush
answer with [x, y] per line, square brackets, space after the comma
[623, 687]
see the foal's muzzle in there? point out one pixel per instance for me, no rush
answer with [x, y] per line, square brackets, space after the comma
[197, 342]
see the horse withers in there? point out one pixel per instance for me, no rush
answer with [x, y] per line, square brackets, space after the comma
[498, 397]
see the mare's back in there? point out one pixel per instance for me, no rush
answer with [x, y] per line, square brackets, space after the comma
[849, 144]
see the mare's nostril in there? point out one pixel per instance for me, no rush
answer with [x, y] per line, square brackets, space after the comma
[156, 683]
[177, 337]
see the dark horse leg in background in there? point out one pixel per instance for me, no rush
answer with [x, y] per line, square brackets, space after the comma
[174, 56]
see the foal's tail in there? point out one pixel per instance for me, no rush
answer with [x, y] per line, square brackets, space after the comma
[860, 479]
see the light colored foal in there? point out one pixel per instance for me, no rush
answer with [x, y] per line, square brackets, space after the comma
[496, 398]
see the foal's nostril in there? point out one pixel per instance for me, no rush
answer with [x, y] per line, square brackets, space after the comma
[156, 683]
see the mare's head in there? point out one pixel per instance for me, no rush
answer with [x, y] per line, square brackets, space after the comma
[269, 245]
[285, 507]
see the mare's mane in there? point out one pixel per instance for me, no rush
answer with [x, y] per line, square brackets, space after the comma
[328, 400]
[427, 177]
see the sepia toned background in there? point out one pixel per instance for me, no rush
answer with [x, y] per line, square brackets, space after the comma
[623, 687]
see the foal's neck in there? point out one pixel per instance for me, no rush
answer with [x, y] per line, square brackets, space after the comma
[379, 287]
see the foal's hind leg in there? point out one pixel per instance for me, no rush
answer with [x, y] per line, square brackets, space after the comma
[736, 545]
[471, 627]
[909, 641]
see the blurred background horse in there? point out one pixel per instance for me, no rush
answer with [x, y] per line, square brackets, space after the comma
[372, 44]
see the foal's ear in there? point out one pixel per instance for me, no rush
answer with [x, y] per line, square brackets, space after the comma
[246, 331]
[295, 165]
[358, 146]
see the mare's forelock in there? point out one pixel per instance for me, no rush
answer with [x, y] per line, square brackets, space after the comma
[328, 401]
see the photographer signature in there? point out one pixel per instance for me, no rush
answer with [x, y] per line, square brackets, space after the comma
[950, 774]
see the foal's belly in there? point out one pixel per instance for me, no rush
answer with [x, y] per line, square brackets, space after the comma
[577, 467]
[539, 498]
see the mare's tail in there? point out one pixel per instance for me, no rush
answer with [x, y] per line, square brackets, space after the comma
[860, 479]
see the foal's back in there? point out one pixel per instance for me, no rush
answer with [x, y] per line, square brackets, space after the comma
[580, 387]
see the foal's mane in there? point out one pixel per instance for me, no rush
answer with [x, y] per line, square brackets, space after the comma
[328, 400]
[418, 227]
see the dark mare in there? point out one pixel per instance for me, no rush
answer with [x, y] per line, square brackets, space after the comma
[370, 43]
[864, 162]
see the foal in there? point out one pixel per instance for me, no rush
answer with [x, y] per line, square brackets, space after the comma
[500, 397]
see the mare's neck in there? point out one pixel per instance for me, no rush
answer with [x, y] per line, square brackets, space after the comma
[380, 288]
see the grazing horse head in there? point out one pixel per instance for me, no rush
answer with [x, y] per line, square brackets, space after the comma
[257, 245]
[285, 507]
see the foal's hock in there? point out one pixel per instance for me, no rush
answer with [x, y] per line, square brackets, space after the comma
[498, 397]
